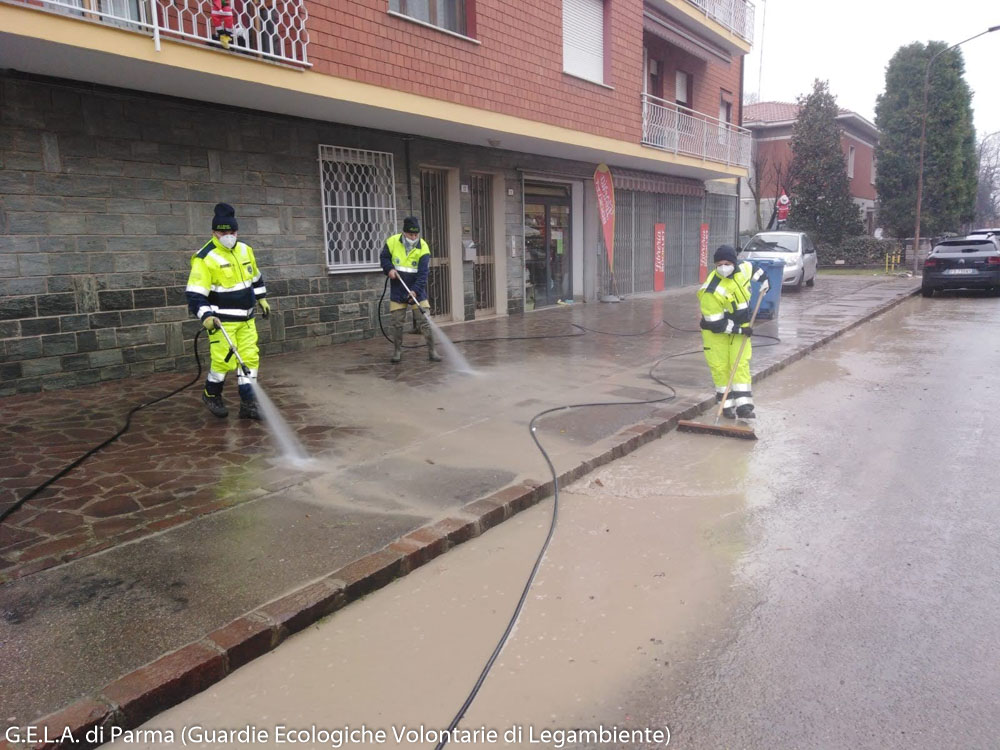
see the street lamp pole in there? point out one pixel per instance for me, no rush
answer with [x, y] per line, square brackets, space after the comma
[923, 135]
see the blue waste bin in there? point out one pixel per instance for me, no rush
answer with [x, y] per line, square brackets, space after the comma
[775, 271]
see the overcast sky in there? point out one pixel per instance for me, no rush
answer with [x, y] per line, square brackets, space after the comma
[849, 43]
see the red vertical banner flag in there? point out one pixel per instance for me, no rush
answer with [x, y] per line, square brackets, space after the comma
[606, 207]
[659, 256]
[703, 259]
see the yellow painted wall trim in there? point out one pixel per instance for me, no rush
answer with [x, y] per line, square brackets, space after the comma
[56, 28]
[697, 17]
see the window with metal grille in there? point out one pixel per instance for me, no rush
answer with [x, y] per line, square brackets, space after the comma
[359, 206]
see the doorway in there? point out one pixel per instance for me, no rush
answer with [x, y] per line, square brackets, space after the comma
[434, 220]
[484, 269]
[547, 244]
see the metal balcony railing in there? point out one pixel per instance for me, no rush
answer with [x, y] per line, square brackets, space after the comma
[683, 131]
[735, 15]
[265, 29]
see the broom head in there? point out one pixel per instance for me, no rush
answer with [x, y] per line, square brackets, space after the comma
[733, 431]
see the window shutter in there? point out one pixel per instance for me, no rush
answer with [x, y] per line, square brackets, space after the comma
[681, 89]
[583, 38]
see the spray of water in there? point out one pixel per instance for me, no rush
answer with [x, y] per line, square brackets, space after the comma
[289, 446]
[449, 352]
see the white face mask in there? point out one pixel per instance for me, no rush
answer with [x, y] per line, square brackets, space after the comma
[410, 243]
[725, 270]
[228, 240]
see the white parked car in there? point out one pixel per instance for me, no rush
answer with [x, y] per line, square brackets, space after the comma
[796, 249]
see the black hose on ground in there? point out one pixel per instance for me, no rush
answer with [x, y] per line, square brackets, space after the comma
[128, 420]
[552, 524]
[555, 501]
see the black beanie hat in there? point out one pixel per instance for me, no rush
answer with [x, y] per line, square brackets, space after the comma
[725, 252]
[410, 224]
[225, 218]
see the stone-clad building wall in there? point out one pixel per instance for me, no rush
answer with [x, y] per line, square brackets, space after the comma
[105, 194]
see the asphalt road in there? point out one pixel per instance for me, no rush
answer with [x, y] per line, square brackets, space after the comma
[832, 585]
[869, 613]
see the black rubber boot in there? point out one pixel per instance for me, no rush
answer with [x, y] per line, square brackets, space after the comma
[214, 404]
[729, 413]
[745, 411]
[248, 410]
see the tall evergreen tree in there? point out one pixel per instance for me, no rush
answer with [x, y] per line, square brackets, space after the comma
[821, 201]
[950, 163]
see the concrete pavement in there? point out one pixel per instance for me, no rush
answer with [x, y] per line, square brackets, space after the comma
[185, 549]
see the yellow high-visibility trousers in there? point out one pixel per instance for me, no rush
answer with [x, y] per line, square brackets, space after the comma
[720, 353]
[244, 336]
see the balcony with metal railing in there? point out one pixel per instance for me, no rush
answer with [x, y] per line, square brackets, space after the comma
[679, 130]
[272, 30]
[735, 15]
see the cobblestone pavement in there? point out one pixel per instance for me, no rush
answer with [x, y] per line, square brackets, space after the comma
[165, 470]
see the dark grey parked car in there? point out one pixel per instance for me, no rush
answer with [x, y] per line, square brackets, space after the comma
[962, 263]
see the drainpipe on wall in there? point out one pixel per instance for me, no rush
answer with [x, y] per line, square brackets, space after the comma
[409, 179]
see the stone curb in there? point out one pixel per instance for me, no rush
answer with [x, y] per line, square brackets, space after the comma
[136, 697]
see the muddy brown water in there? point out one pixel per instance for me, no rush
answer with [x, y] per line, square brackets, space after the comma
[832, 584]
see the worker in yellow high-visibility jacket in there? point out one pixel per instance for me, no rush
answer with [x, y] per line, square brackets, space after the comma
[724, 300]
[223, 290]
[406, 256]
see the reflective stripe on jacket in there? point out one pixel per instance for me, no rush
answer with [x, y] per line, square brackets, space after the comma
[725, 303]
[224, 283]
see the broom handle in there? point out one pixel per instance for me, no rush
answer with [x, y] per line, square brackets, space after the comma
[739, 356]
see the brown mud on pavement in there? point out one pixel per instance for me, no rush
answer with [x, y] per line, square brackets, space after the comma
[210, 527]
[640, 566]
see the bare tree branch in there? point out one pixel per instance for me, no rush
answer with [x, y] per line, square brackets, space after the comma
[760, 169]
[988, 189]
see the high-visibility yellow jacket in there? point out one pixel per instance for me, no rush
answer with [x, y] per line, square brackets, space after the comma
[725, 302]
[224, 283]
[412, 267]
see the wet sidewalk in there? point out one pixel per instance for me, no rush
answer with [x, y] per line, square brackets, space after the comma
[189, 538]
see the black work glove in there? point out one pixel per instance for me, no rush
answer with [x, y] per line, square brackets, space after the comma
[746, 331]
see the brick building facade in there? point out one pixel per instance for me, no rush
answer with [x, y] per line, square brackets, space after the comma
[117, 136]
[772, 124]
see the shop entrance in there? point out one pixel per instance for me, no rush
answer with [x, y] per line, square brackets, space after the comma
[548, 250]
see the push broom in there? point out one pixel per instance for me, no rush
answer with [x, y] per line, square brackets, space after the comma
[734, 431]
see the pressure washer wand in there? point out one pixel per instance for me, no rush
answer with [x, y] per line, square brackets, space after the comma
[232, 351]
[412, 295]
